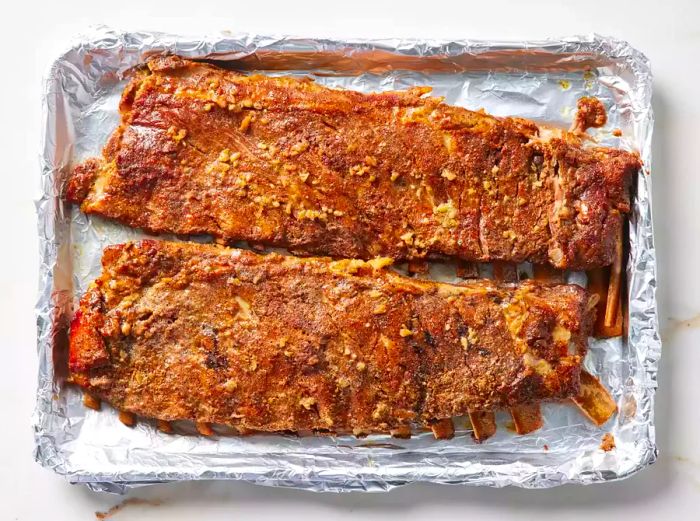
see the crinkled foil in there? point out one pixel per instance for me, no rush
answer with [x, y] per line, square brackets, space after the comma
[539, 80]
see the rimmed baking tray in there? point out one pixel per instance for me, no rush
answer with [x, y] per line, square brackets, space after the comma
[540, 80]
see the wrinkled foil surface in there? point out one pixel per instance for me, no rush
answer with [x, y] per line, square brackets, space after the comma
[538, 80]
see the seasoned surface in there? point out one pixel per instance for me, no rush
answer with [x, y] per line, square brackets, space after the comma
[276, 343]
[289, 163]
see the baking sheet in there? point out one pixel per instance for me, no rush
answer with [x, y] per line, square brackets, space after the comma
[537, 80]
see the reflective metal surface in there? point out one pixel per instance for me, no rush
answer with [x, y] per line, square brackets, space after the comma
[537, 80]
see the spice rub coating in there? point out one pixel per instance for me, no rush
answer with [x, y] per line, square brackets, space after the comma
[177, 331]
[286, 162]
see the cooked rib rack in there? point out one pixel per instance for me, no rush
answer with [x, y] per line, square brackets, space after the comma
[176, 331]
[289, 163]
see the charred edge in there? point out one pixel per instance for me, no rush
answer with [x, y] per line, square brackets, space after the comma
[87, 349]
[81, 180]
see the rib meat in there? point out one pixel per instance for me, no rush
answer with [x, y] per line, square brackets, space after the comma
[177, 331]
[289, 163]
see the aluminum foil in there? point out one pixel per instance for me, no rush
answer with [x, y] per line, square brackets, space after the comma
[538, 80]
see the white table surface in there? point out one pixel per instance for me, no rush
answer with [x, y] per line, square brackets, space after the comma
[33, 33]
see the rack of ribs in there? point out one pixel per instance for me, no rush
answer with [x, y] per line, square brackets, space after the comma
[286, 162]
[274, 343]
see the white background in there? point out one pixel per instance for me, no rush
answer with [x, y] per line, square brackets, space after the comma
[34, 33]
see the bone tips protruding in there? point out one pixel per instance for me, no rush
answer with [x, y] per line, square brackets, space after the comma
[483, 423]
[92, 402]
[527, 418]
[165, 426]
[204, 429]
[127, 418]
[403, 432]
[594, 400]
[606, 283]
[443, 429]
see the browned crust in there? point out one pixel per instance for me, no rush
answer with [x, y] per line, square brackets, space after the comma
[286, 162]
[272, 343]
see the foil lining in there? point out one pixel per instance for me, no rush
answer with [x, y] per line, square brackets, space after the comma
[538, 80]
